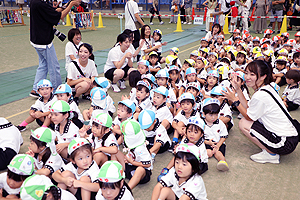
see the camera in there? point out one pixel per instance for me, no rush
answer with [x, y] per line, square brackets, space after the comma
[59, 34]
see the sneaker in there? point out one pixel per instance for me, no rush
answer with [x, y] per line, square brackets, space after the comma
[190, 23]
[21, 128]
[115, 88]
[86, 97]
[240, 116]
[151, 23]
[34, 94]
[63, 23]
[122, 84]
[265, 157]
[76, 100]
[222, 166]
[184, 22]
[163, 172]
[161, 23]
[278, 31]
[171, 149]
[170, 22]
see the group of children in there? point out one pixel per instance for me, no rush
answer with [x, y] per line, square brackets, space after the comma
[79, 156]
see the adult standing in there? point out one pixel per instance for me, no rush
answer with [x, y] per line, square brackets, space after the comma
[224, 6]
[188, 10]
[154, 10]
[131, 16]
[119, 63]
[175, 4]
[277, 10]
[261, 9]
[264, 122]
[296, 21]
[42, 19]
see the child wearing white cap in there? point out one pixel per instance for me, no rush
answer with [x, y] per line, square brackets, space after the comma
[80, 175]
[19, 168]
[211, 81]
[42, 148]
[112, 182]
[142, 100]
[143, 67]
[155, 131]
[40, 109]
[174, 79]
[154, 65]
[194, 88]
[65, 129]
[10, 142]
[215, 133]
[191, 76]
[138, 160]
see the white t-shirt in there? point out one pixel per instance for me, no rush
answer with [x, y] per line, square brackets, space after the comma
[223, 5]
[10, 136]
[67, 195]
[89, 70]
[142, 155]
[124, 194]
[109, 141]
[4, 186]
[71, 131]
[71, 50]
[163, 112]
[115, 54]
[160, 132]
[74, 108]
[194, 187]
[131, 8]
[147, 45]
[215, 132]
[145, 104]
[181, 116]
[292, 94]
[263, 108]
[53, 163]
[39, 104]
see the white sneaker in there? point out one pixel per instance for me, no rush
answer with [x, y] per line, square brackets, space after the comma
[115, 87]
[63, 23]
[161, 23]
[190, 23]
[184, 22]
[265, 157]
[222, 166]
[122, 84]
[170, 22]
[151, 23]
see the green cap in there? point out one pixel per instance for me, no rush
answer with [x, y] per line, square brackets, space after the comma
[111, 172]
[45, 135]
[133, 134]
[76, 143]
[189, 148]
[103, 119]
[22, 164]
[60, 106]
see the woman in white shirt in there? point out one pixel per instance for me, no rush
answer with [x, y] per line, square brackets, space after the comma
[264, 122]
[119, 63]
[147, 46]
[72, 47]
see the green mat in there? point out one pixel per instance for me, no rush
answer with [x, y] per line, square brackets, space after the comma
[17, 84]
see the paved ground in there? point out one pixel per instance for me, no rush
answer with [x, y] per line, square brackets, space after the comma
[244, 180]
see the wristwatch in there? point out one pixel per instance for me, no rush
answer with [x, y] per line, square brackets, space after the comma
[236, 103]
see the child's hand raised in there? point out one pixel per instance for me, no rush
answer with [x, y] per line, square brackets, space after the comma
[83, 130]
[30, 152]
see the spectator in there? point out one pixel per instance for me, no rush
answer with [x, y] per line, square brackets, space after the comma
[188, 10]
[224, 6]
[211, 7]
[153, 10]
[261, 9]
[277, 10]
[174, 11]
[182, 11]
[295, 21]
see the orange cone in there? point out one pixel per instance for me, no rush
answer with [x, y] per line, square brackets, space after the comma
[251, 18]
[205, 13]
[193, 13]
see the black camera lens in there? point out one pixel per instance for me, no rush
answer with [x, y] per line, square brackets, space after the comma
[59, 34]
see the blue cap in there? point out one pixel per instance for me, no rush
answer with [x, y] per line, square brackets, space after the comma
[144, 83]
[63, 88]
[149, 77]
[130, 104]
[213, 73]
[44, 83]
[162, 90]
[186, 95]
[217, 90]
[209, 101]
[102, 82]
[162, 73]
[190, 70]
[196, 121]
[98, 96]
[146, 118]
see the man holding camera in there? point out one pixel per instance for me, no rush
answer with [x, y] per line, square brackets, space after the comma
[42, 19]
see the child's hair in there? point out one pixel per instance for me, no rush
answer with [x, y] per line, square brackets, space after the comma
[82, 148]
[186, 62]
[16, 177]
[188, 100]
[134, 77]
[72, 32]
[114, 185]
[122, 37]
[293, 74]
[42, 144]
[103, 129]
[232, 57]
[261, 68]
[194, 128]
[143, 31]
[243, 56]
[129, 110]
[54, 192]
[140, 87]
[296, 55]
[225, 60]
[129, 33]
[281, 62]
[211, 109]
[191, 159]
[89, 48]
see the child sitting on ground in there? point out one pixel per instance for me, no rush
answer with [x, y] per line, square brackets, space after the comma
[19, 168]
[154, 64]
[291, 94]
[138, 159]
[211, 81]
[194, 89]
[215, 133]
[40, 109]
[157, 37]
[143, 67]
[191, 76]
[188, 63]
[280, 70]
[142, 100]
[174, 80]
[200, 68]
[296, 59]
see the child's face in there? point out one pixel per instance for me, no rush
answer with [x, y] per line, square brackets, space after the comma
[268, 36]
[158, 99]
[211, 80]
[142, 94]
[109, 193]
[186, 106]
[288, 48]
[193, 91]
[156, 37]
[153, 60]
[212, 58]
[57, 117]
[83, 159]
[191, 77]
[84, 53]
[279, 66]
[142, 69]
[183, 168]
[290, 81]
[77, 38]
[256, 43]
[63, 96]
[211, 118]
[122, 112]
[219, 40]
[13, 184]
[34, 147]
[193, 135]
[161, 81]
[193, 57]
[173, 75]
[98, 130]
[172, 53]
[220, 98]
[45, 92]
[240, 59]
[185, 66]
[239, 48]
[297, 38]
[199, 64]
[204, 43]
[297, 60]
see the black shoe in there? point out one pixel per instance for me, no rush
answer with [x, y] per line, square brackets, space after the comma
[171, 149]
[290, 28]
[34, 94]
[278, 31]
[76, 100]
[21, 128]
[86, 97]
